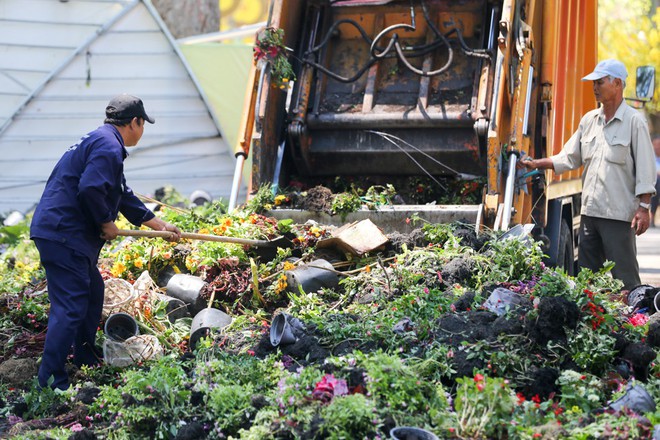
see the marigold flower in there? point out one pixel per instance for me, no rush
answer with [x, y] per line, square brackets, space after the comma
[118, 268]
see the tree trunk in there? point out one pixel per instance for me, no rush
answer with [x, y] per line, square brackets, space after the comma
[189, 17]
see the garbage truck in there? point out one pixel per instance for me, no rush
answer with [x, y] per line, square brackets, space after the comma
[439, 89]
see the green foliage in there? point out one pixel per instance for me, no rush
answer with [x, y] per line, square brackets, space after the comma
[147, 402]
[270, 48]
[229, 405]
[483, 405]
[349, 417]
[395, 386]
[580, 393]
[592, 351]
[215, 367]
[553, 282]
[507, 260]
[600, 281]
[40, 401]
[12, 235]
[19, 259]
[378, 195]
[262, 201]
[631, 34]
[345, 203]
[30, 312]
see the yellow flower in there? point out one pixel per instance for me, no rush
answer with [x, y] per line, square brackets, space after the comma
[268, 206]
[203, 231]
[316, 231]
[288, 265]
[138, 263]
[367, 268]
[117, 269]
[281, 284]
[279, 199]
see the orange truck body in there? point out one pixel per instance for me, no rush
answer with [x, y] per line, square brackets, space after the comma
[466, 84]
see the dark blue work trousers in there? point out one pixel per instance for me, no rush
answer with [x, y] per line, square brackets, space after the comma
[75, 291]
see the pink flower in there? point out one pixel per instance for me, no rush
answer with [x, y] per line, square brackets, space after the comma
[480, 386]
[329, 387]
[638, 319]
[77, 427]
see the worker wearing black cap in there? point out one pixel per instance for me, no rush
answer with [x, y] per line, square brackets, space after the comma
[74, 218]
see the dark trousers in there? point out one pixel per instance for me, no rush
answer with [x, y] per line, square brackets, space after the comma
[75, 291]
[614, 240]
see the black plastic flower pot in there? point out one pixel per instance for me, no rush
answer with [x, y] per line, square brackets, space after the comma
[120, 326]
[188, 289]
[281, 330]
[204, 322]
[636, 399]
[174, 307]
[312, 277]
[410, 433]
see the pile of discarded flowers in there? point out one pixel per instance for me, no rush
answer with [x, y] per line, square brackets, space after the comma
[436, 334]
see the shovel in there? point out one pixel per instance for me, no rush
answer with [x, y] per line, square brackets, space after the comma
[279, 242]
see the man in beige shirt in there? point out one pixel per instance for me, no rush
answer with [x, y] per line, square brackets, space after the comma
[614, 146]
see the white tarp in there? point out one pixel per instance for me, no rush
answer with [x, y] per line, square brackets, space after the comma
[61, 62]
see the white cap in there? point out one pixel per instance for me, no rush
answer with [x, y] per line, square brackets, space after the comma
[611, 67]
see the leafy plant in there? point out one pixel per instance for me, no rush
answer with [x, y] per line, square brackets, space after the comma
[40, 401]
[482, 404]
[148, 402]
[270, 48]
[233, 402]
[509, 259]
[345, 203]
[348, 417]
[591, 350]
[580, 393]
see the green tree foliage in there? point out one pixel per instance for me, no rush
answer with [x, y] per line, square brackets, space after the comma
[630, 32]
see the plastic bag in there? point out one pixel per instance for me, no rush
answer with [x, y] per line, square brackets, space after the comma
[119, 296]
[133, 350]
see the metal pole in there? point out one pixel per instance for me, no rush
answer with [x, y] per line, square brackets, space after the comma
[236, 184]
[508, 192]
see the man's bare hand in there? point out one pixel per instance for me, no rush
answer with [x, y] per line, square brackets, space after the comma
[528, 163]
[641, 221]
[109, 231]
[176, 233]
[158, 224]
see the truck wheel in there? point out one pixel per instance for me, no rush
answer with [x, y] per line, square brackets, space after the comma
[565, 255]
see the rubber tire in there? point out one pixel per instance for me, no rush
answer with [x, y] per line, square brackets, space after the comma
[565, 253]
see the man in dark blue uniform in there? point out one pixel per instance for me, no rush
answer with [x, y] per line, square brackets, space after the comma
[74, 218]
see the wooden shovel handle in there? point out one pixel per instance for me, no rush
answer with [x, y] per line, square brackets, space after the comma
[192, 236]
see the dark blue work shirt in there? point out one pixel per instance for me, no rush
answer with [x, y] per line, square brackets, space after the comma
[87, 188]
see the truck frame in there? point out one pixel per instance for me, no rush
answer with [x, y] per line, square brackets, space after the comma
[454, 89]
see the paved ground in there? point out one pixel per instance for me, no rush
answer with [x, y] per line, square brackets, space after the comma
[648, 256]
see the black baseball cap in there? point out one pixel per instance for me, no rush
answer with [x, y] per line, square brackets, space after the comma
[127, 107]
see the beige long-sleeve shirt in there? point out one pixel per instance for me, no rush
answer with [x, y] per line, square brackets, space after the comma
[618, 159]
